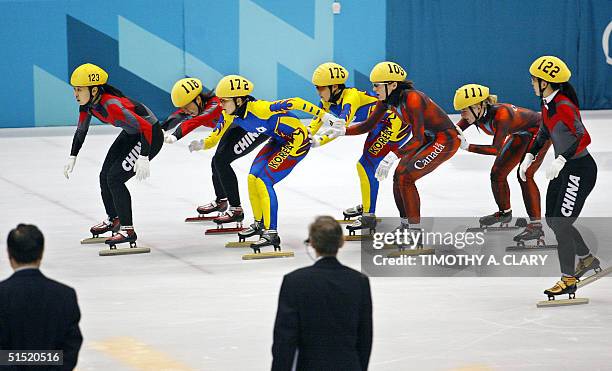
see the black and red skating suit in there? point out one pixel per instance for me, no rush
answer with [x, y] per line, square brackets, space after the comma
[185, 123]
[567, 193]
[131, 116]
[562, 124]
[513, 130]
[434, 140]
[141, 136]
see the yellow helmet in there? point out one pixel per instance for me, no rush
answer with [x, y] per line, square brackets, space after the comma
[185, 91]
[550, 68]
[387, 71]
[232, 86]
[329, 73]
[470, 94]
[88, 75]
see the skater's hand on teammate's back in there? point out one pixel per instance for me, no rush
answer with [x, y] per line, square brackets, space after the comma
[525, 165]
[69, 166]
[329, 119]
[196, 145]
[141, 168]
[385, 165]
[337, 129]
[555, 167]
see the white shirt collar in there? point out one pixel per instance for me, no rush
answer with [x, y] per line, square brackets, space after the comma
[550, 97]
[24, 267]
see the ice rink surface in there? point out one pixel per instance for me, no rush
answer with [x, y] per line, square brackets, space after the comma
[194, 304]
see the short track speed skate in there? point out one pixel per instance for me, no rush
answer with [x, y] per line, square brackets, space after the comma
[125, 235]
[233, 215]
[255, 229]
[104, 227]
[580, 283]
[532, 232]
[213, 207]
[366, 224]
[488, 222]
[351, 212]
[268, 238]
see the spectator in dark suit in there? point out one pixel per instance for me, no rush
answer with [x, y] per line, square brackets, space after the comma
[37, 313]
[324, 317]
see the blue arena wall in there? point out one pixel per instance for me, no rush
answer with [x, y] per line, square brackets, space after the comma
[147, 45]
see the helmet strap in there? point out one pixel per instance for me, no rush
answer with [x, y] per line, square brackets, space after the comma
[386, 91]
[334, 97]
[541, 90]
[476, 117]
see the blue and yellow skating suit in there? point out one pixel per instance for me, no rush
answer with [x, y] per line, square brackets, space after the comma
[288, 145]
[354, 105]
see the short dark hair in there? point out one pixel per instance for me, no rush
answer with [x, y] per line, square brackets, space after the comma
[25, 243]
[325, 235]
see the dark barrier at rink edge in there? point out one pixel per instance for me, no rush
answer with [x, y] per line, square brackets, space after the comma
[459, 247]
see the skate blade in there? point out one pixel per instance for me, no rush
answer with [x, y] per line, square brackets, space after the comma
[350, 221]
[492, 229]
[423, 251]
[224, 230]
[92, 240]
[125, 251]
[358, 237]
[562, 302]
[268, 255]
[196, 219]
[530, 247]
[239, 244]
[594, 277]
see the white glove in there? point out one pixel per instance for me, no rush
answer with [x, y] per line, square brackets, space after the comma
[337, 129]
[196, 145]
[555, 167]
[328, 119]
[169, 138]
[141, 168]
[525, 165]
[69, 166]
[464, 143]
[315, 141]
[385, 165]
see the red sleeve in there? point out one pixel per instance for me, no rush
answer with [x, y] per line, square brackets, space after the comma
[502, 122]
[415, 114]
[367, 125]
[463, 124]
[208, 117]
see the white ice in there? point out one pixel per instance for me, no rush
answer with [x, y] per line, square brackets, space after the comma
[200, 305]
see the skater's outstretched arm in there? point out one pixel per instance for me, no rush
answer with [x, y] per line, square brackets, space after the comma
[363, 127]
[502, 122]
[81, 131]
[224, 122]
[209, 117]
